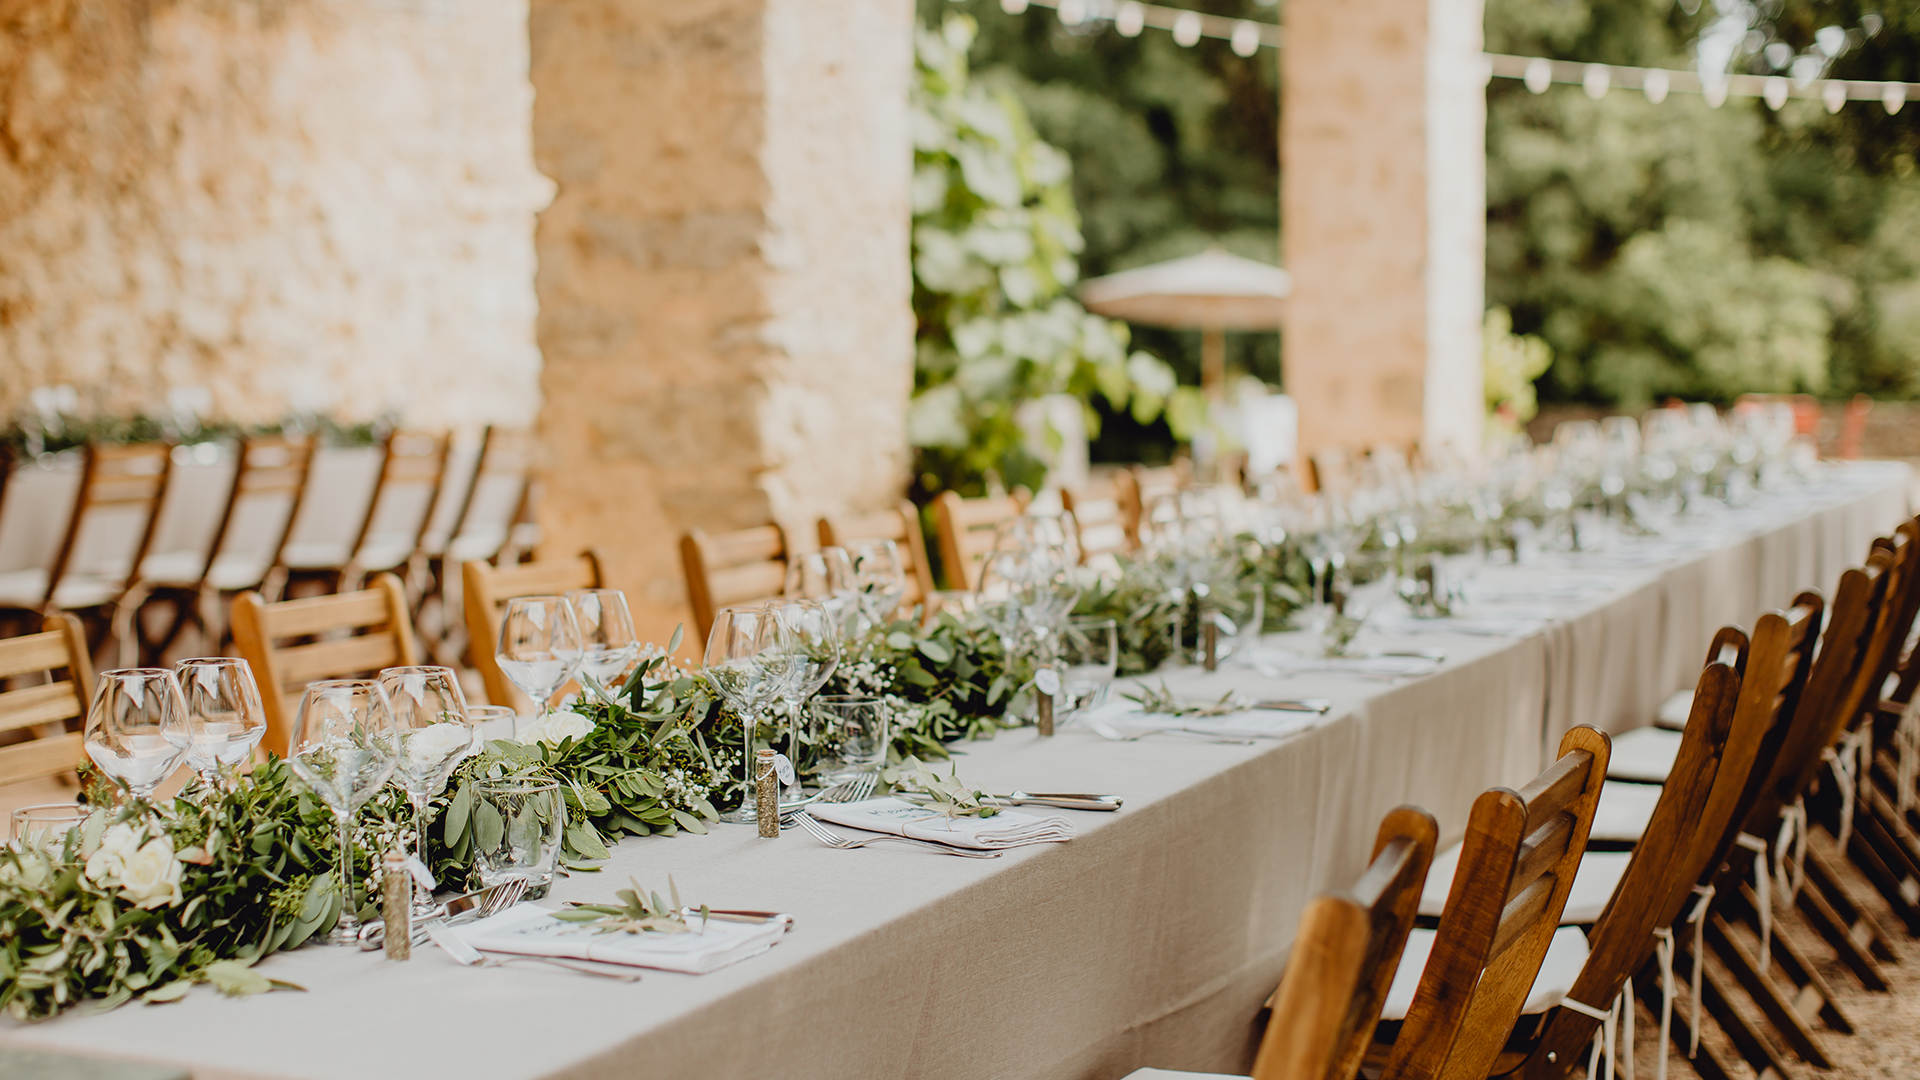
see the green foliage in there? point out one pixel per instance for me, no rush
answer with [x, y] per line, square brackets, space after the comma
[994, 243]
[1510, 362]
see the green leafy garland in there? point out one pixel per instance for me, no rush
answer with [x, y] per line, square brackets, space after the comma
[145, 901]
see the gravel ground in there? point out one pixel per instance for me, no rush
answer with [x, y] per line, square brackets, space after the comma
[1887, 1025]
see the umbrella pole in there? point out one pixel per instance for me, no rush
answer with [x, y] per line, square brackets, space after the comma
[1213, 362]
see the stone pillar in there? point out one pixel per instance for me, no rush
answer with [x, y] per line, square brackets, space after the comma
[724, 276]
[1383, 211]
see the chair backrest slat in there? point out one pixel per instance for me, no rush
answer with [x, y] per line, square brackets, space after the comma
[487, 589]
[266, 636]
[1501, 915]
[265, 467]
[414, 466]
[60, 646]
[968, 528]
[1343, 959]
[900, 525]
[743, 566]
[115, 477]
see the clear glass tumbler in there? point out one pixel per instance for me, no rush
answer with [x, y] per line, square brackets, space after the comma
[516, 826]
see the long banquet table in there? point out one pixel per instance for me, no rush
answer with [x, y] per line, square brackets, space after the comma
[1151, 939]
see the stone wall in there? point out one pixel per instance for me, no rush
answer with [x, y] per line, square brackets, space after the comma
[315, 204]
[724, 280]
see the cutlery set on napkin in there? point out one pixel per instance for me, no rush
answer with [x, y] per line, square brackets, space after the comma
[899, 817]
[713, 943]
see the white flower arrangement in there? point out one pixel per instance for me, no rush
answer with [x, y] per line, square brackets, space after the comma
[555, 727]
[144, 870]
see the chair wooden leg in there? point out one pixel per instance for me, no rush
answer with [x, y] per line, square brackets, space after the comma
[1878, 855]
[1780, 1011]
[1862, 944]
[1748, 1040]
[1813, 997]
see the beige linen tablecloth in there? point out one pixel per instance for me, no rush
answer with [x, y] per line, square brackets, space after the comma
[1151, 939]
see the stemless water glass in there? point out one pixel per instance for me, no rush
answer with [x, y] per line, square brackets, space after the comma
[42, 823]
[539, 646]
[608, 644]
[224, 717]
[880, 577]
[134, 711]
[744, 664]
[492, 721]
[344, 748]
[852, 730]
[436, 734]
[1090, 655]
[517, 826]
[827, 576]
[810, 637]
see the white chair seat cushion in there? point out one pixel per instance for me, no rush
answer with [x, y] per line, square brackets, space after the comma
[1674, 711]
[1566, 955]
[23, 587]
[231, 571]
[384, 553]
[313, 555]
[174, 569]
[78, 591]
[1593, 885]
[239, 570]
[1644, 754]
[1624, 811]
[1172, 1074]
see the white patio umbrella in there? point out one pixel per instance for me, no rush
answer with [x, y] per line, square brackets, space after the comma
[1213, 291]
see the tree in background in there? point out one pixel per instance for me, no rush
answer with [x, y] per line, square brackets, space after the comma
[1658, 249]
[995, 240]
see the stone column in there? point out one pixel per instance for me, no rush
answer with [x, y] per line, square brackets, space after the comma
[1383, 210]
[724, 278]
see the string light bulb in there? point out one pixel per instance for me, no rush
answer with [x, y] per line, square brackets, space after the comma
[1715, 91]
[1834, 94]
[1130, 19]
[1893, 95]
[1013, 7]
[1596, 80]
[1246, 38]
[1072, 12]
[1539, 75]
[1186, 29]
[1774, 92]
[1655, 86]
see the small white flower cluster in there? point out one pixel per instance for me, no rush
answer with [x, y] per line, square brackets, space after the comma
[681, 790]
[556, 726]
[144, 870]
[377, 836]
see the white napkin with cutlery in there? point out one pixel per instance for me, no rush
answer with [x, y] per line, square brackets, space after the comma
[530, 930]
[1251, 724]
[897, 817]
[1282, 661]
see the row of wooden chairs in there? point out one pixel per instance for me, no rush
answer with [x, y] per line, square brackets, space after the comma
[750, 565]
[403, 527]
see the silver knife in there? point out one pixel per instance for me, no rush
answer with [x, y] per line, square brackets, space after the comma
[1312, 705]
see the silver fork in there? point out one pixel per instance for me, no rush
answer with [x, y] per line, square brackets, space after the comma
[466, 955]
[834, 840]
[852, 790]
[502, 896]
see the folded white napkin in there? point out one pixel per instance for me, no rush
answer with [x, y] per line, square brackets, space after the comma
[528, 930]
[1251, 724]
[1008, 828]
[1513, 625]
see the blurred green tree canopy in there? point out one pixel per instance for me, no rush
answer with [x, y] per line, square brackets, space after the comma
[1658, 249]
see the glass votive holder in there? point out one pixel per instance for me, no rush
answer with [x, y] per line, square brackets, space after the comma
[492, 721]
[851, 730]
[516, 830]
[42, 822]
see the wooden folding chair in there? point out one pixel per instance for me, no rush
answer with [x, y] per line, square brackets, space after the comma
[967, 530]
[268, 469]
[481, 525]
[1342, 962]
[487, 589]
[900, 525]
[1106, 513]
[742, 567]
[114, 515]
[356, 633]
[1477, 972]
[38, 715]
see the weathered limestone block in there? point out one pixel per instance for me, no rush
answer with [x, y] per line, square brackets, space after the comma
[1383, 202]
[723, 276]
[291, 203]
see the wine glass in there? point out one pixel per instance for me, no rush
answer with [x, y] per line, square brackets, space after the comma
[436, 734]
[808, 635]
[609, 645]
[539, 646]
[224, 717]
[1090, 655]
[879, 577]
[345, 746]
[825, 575]
[134, 711]
[739, 664]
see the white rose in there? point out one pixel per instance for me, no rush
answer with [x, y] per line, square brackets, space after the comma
[151, 877]
[434, 745]
[108, 861]
[555, 727]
